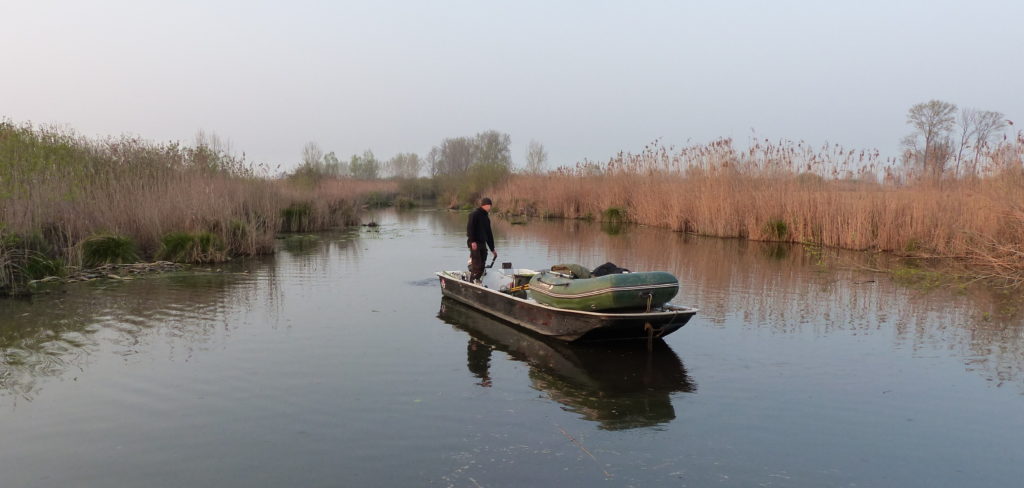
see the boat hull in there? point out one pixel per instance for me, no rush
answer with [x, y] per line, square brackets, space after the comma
[562, 324]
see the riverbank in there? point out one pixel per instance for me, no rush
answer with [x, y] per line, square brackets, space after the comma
[70, 201]
[788, 194]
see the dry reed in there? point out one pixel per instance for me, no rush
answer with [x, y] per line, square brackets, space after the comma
[791, 192]
[58, 188]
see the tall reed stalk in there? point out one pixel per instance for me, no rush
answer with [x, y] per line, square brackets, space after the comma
[58, 188]
[794, 193]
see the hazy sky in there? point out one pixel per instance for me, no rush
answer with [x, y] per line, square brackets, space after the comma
[585, 78]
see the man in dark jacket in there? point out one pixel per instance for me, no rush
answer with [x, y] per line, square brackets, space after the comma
[479, 238]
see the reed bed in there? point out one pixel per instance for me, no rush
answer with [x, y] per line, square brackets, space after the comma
[57, 189]
[790, 192]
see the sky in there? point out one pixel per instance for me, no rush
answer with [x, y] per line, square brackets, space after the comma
[587, 79]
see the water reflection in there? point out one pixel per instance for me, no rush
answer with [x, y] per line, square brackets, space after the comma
[619, 386]
[792, 289]
[55, 334]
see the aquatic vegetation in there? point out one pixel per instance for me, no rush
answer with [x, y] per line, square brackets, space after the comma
[792, 192]
[776, 229]
[298, 243]
[186, 247]
[404, 203]
[921, 278]
[614, 214]
[379, 199]
[58, 188]
[108, 249]
[296, 217]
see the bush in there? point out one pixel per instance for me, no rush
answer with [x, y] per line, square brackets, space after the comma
[108, 249]
[185, 247]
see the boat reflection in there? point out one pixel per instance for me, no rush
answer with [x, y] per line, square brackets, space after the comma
[618, 385]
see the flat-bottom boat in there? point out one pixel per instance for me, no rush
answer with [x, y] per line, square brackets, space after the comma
[502, 294]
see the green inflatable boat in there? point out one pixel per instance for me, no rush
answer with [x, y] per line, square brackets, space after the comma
[573, 288]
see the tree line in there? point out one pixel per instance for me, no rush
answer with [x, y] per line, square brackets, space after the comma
[951, 143]
[454, 156]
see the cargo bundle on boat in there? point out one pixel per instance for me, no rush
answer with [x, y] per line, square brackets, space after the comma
[569, 303]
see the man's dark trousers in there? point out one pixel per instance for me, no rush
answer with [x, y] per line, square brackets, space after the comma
[478, 260]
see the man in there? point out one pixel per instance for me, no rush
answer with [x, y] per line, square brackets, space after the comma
[479, 238]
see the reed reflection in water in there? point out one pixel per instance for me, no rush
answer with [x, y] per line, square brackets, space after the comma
[178, 314]
[793, 289]
[329, 364]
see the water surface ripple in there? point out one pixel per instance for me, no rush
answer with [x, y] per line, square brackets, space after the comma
[337, 363]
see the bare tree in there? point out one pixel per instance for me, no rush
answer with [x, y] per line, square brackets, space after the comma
[312, 155]
[334, 166]
[987, 124]
[456, 155]
[967, 123]
[365, 167]
[213, 152]
[405, 165]
[536, 157]
[933, 120]
[434, 162]
[494, 147]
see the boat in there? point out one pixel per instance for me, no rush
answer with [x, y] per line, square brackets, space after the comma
[573, 287]
[618, 385]
[503, 293]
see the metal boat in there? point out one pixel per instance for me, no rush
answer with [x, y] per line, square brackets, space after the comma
[502, 293]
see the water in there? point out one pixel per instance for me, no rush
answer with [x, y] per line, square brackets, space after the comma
[337, 363]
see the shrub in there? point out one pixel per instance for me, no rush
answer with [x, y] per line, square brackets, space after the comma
[108, 249]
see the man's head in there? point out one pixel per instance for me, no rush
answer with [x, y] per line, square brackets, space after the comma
[485, 203]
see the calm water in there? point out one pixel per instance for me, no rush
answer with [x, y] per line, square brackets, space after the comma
[337, 363]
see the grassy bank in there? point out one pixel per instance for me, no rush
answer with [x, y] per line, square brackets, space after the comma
[66, 200]
[791, 193]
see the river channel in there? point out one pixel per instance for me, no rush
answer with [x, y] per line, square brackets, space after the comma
[336, 362]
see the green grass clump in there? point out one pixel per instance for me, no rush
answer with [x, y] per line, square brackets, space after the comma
[614, 214]
[185, 247]
[38, 266]
[296, 217]
[404, 203]
[108, 249]
[776, 229]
